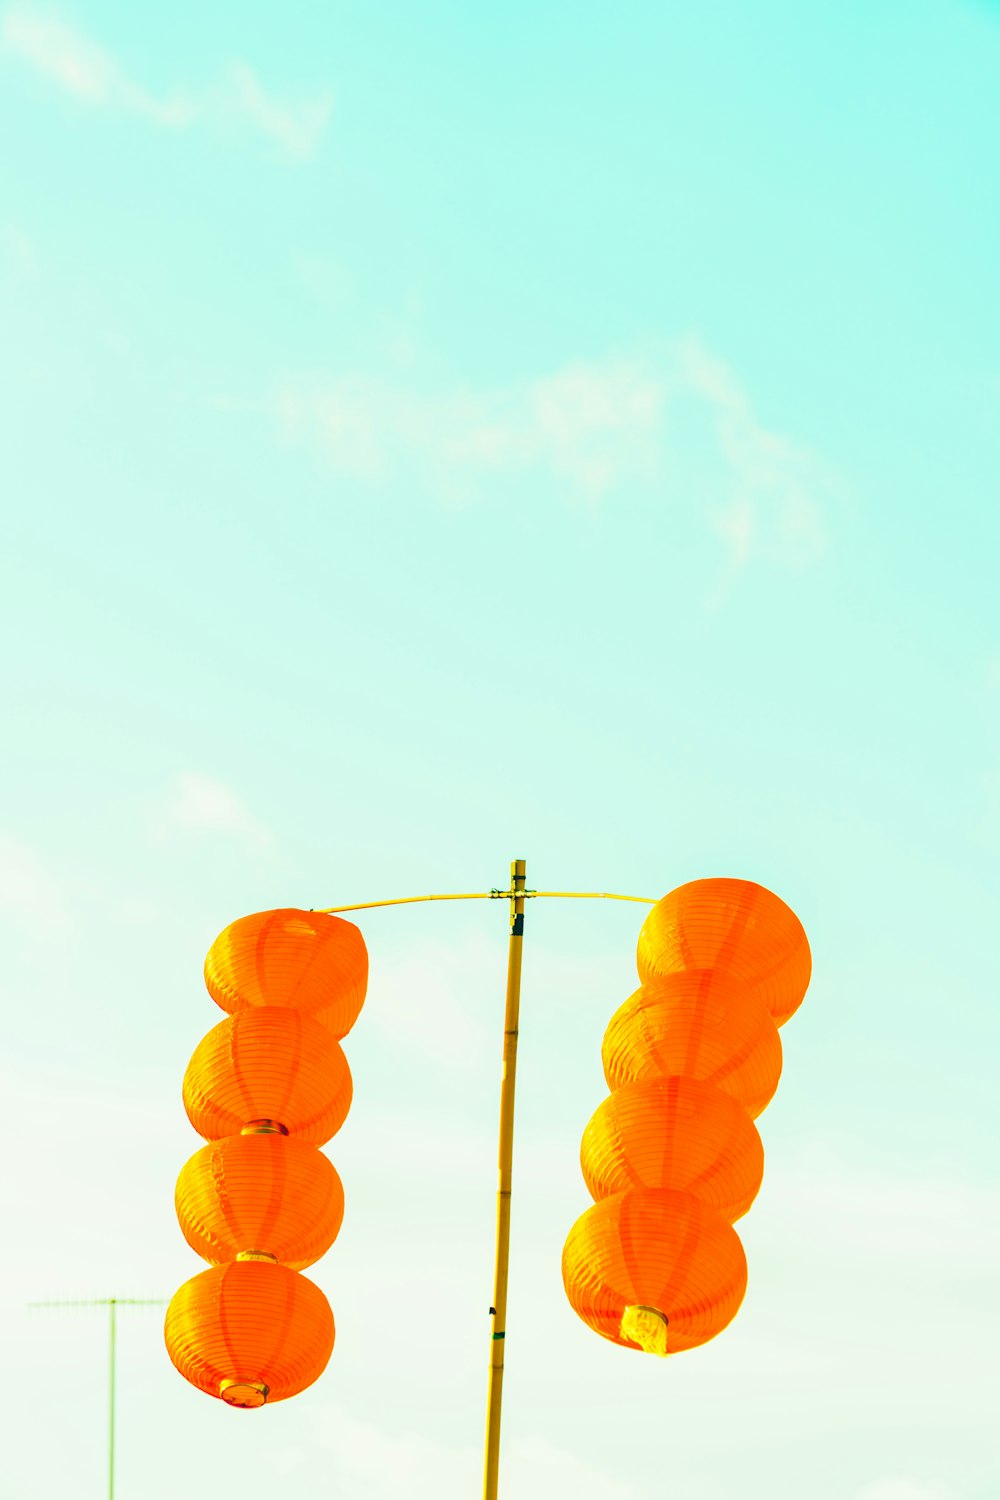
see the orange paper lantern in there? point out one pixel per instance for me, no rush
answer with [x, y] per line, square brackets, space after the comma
[737, 927]
[250, 1332]
[302, 960]
[260, 1193]
[268, 1064]
[674, 1133]
[664, 1263]
[700, 1024]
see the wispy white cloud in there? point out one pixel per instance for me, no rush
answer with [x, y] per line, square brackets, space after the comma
[538, 1468]
[201, 804]
[23, 883]
[433, 979]
[18, 261]
[328, 281]
[598, 424]
[79, 66]
[773, 503]
[621, 423]
[296, 128]
[381, 1465]
[877, 1216]
[593, 425]
[987, 827]
[376, 1463]
[893, 1488]
[70, 59]
[30, 894]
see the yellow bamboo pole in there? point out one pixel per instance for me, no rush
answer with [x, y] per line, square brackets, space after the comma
[498, 1309]
[517, 894]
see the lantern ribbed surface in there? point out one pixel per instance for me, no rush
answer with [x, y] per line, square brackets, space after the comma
[699, 1024]
[663, 1250]
[672, 1156]
[266, 1088]
[262, 1193]
[272, 1064]
[251, 1324]
[303, 960]
[678, 1134]
[736, 927]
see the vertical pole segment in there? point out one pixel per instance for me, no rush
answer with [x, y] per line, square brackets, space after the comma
[498, 1310]
[111, 1402]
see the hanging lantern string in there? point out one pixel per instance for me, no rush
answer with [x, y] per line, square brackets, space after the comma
[494, 895]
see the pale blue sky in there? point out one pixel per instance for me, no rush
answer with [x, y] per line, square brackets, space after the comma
[433, 434]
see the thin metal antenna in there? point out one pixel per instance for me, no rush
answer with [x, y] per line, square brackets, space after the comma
[111, 1303]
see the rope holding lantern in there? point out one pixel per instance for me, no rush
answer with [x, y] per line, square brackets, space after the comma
[672, 1157]
[266, 1088]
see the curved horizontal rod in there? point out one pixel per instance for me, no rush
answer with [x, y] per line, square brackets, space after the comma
[595, 896]
[330, 911]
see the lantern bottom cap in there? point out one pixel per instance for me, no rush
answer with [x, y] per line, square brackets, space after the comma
[647, 1327]
[246, 1393]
